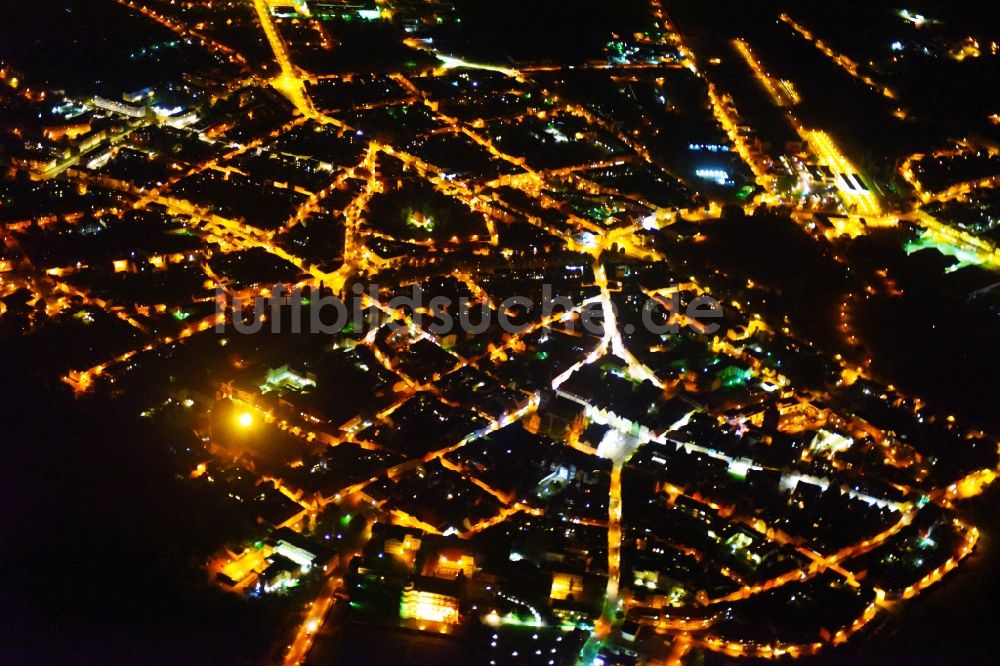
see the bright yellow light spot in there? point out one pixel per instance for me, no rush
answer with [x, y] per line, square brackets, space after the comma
[245, 420]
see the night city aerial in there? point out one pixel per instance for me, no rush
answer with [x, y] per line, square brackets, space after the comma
[499, 332]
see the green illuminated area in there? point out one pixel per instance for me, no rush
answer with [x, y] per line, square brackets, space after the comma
[932, 240]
